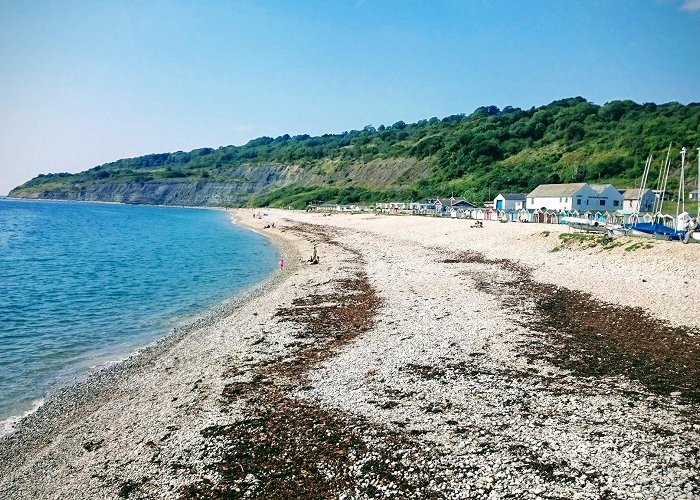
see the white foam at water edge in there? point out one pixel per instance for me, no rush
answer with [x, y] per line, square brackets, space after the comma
[111, 362]
[8, 426]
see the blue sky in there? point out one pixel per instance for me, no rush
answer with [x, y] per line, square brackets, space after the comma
[83, 83]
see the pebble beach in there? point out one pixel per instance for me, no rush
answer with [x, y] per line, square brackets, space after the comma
[420, 358]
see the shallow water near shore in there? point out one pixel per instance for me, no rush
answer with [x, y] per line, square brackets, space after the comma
[83, 285]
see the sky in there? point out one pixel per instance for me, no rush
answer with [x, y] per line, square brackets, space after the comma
[85, 83]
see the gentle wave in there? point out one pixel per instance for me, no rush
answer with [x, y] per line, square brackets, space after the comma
[83, 283]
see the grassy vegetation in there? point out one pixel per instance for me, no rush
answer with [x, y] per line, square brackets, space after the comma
[475, 156]
[639, 245]
[588, 240]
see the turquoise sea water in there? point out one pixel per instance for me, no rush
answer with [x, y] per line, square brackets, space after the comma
[82, 285]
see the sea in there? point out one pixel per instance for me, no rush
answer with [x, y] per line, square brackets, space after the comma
[84, 285]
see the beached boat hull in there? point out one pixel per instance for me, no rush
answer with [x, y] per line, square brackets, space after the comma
[656, 231]
[585, 224]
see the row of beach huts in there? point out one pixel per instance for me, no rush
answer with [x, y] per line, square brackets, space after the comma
[547, 203]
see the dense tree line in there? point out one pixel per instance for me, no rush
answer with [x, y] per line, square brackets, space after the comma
[477, 155]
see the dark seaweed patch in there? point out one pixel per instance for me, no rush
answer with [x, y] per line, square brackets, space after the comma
[593, 338]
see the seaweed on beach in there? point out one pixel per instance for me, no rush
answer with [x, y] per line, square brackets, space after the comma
[593, 338]
[290, 448]
[293, 449]
[330, 321]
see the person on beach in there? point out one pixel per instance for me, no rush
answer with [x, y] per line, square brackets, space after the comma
[281, 264]
[314, 257]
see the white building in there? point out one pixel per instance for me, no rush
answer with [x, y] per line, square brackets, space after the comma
[575, 196]
[631, 200]
[693, 195]
[509, 201]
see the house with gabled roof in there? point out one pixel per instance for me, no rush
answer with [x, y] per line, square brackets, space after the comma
[608, 198]
[443, 206]
[509, 201]
[572, 196]
[641, 200]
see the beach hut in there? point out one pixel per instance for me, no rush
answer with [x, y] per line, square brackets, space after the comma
[509, 201]
[524, 215]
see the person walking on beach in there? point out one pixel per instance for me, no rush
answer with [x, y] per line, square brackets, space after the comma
[281, 264]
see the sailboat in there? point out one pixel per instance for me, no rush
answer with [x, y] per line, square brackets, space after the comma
[693, 230]
[666, 227]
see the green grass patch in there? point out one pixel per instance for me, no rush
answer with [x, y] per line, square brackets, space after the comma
[588, 240]
[640, 245]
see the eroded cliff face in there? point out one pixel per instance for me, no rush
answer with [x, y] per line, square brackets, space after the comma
[231, 186]
[228, 187]
[200, 193]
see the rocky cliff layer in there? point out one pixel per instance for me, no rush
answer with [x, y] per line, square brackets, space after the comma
[199, 193]
[224, 186]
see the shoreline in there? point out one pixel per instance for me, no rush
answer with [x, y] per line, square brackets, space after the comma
[418, 356]
[182, 326]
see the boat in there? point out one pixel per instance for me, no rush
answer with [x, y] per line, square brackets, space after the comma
[664, 228]
[584, 224]
[681, 228]
[693, 234]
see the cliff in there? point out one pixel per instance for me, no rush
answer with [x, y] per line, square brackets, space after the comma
[223, 187]
[473, 156]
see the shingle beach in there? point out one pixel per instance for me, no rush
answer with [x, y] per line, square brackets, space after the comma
[421, 358]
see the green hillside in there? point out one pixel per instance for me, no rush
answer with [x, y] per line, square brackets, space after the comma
[476, 156]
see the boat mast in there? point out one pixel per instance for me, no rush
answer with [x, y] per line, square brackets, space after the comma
[643, 183]
[663, 180]
[681, 187]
